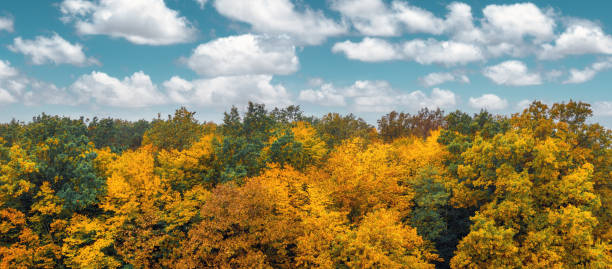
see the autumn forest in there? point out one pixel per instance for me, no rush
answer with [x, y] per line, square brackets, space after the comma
[274, 188]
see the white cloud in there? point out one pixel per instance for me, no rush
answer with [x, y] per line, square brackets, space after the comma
[375, 18]
[580, 76]
[504, 29]
[369, 17]
[6, 24]
[429, 51]
[282, 17]
[368, 50]
[516, 30]
[377, 96]
[417, 20]
[7, 75]
[6, 97]
[54, 49]
[438, 98]
[327, 95]
[513, 73]
[580, 37]
[488, 101]
[244, 55]
[6, 70]
[523, 104]
[553, 75]
[144, 22]
[441, 52]
[227, 90]
[16, 87]
[202, 3]
[433, 79]
[513, 22]
[602, 108]
[134, 91]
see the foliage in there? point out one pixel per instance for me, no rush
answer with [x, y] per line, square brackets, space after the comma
[177, 132]
[277, 189]
[395, 125]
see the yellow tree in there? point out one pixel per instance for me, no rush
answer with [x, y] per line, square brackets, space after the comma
[255, 225]
[145, 218]
[189, 167]
[362, 178]
[382, 241]
[536, 199]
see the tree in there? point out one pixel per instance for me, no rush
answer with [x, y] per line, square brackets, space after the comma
[178, 132]
[363, 178]
[148, 218]
[395, 125]
[118, 135]
[335, 128]
[528, 182]
[382, 241]
[254, 225]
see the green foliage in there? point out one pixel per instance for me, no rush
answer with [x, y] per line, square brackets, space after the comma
[118, 135]
[277, 189]
[64, 158]
[335, 128]
[395, 125]
[177, 132]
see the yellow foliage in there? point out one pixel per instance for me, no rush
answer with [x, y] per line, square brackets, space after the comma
[186, 168]
[85, 243]
[314, 146]
[362, 178]
[382, 241]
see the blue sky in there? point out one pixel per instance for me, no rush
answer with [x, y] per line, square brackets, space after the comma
[134, 59]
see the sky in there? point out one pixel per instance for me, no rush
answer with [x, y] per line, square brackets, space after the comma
[133, 59]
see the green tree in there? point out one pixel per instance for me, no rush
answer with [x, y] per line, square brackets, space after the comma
[177, 132]
[335, 128]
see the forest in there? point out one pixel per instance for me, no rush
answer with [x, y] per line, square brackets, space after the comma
[273, 188]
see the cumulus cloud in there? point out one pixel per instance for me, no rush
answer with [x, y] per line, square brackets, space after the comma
[143, 22]
[17, 87]
[437, 78]
[6, 97]
[580, 76]
[441, 52]
[429, 51]
[603, 108]
[244, 55]
[523, 104]
[54, 49]
[6, 70]
[489, 102]
[515, 21]
[513, 73]
[369, 17]
[134, 91]
[580, 37]
[417, 20]
[375, 18]
[227, 90]
[517, 30]
[326, 95]
[513, 29]
[6, 24]
[377, 96]
[368, 50]
[282, 17]
[202, 3]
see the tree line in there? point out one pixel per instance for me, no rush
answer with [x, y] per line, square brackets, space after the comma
[278, 189]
